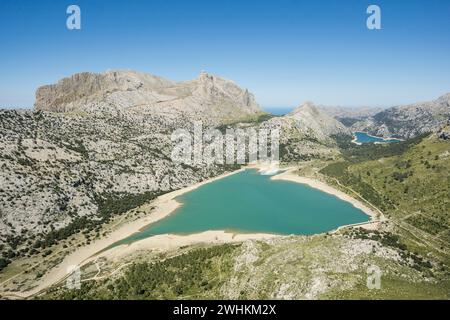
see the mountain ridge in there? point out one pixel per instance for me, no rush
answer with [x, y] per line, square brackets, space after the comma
[205, 97]
[407, 121]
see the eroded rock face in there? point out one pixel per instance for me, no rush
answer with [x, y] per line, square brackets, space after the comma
[444, 132]
[408, 121]
[208, 97]
[74, 92]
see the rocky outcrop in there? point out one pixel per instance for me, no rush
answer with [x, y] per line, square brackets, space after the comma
[81, 89]
[444, 132]
[307, 132]
[313, 122]
[208, 97]
[409, 120]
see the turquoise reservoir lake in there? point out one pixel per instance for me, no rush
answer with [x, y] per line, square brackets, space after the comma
[249, 202]
[362, 137]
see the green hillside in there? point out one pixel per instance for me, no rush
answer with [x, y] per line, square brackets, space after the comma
[319, 267]
[409, 182]
[415, 185]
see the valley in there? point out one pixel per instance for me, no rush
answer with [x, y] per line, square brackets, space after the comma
[91, 165]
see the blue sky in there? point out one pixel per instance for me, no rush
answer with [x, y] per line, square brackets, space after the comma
[285, 52]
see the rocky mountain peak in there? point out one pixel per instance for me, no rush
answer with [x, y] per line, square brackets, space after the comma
[204, 76]
[206, 97]
[307, 107]
[312, 122]
[444, 99]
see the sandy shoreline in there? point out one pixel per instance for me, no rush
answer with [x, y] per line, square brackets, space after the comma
[171, 241]
[164, 205]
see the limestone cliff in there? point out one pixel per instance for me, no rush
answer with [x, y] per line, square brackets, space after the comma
[208, 97]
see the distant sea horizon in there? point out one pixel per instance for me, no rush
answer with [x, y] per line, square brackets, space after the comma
[278, 111]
